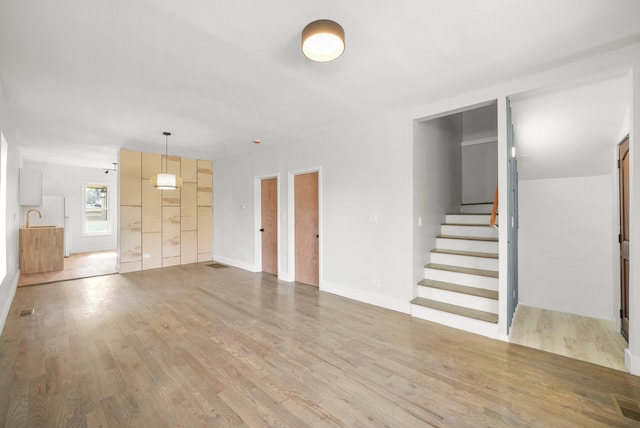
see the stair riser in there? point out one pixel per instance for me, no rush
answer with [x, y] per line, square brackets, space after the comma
[462, 278]
[469, 219]
[465, 300]
[481, 209]
[456, 321]
[467, 245]
[465, 261]
[474, 231]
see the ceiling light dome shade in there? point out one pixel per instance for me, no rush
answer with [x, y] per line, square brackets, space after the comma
[166, 181]
[323, 40]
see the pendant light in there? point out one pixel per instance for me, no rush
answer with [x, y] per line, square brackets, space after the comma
[164, 180]
[323, 40]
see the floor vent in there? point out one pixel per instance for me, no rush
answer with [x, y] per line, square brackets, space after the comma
[26, 312]
[217, 265]
[627, 407]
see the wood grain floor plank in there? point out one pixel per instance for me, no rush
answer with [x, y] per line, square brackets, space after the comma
[192, 346]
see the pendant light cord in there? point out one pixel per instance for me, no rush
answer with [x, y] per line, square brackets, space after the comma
[166, 150]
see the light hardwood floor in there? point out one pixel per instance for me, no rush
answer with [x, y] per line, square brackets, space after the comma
[78, 265]
[582, 338]
[192, 346]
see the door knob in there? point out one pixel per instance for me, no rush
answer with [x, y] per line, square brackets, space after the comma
[262, 230]
[317, 236]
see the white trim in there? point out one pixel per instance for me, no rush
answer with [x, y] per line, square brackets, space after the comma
[241, 264]
[398, 305]
[632, 362]
[291, 244]
[7, 305]
[560, 309]
[455, 110]
[257, 217]
[479, 141]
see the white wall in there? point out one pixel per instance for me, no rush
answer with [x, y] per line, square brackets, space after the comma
[364, 172]
[479, 172]
[68, 181]
[479, 161]
[480, 123]
[567, 245]
[10, 281]
[437, 182]
[367, 168]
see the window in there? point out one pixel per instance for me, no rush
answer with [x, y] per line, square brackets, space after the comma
[3, 206]
[96, 218]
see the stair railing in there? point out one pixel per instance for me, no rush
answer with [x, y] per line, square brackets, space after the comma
[494, 210]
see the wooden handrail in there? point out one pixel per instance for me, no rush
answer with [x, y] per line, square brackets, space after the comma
[494, 210]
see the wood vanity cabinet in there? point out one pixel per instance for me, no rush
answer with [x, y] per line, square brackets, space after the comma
[41, 249]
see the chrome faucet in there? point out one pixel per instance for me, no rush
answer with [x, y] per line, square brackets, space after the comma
[29, 212]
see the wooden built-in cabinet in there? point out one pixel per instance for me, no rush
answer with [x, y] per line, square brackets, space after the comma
[160, 228]
[41, 249]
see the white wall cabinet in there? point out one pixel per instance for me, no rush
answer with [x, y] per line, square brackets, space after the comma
[30, 187]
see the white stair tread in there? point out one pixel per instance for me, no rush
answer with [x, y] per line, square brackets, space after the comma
[469, 238]
[465, 253]
[466, 224]
[469, 214]
[457, 288]
[458, 269]
[457, 310]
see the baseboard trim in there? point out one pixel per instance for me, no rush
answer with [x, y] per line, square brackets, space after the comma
[285, 276]
[562, 309]
[236, 263]
[367, 297]
[7, 305]
[632, 362]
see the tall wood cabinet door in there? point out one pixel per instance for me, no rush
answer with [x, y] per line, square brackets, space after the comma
[189, 247]
[151, 208]
[205, 232]
[151, 250]
[306, 229]
[189, 207]
[189, 170]
[205, 183]
[151, 165]
[170, 235]
[130, 234]
[130, 176]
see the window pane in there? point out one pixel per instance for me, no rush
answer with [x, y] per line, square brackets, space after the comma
[96, 209]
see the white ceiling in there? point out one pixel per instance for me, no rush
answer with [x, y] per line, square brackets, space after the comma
[84, 78]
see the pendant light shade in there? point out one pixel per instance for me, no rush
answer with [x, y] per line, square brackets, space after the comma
[164, 180]
[323, 40]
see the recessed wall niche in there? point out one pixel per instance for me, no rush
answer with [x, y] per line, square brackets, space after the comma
[160, 228]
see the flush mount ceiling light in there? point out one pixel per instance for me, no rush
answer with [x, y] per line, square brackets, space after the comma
[323, 40]
[164, 180]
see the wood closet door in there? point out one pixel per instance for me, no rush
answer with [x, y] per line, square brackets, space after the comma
[269, 225]
[306, 228]
[624, 236]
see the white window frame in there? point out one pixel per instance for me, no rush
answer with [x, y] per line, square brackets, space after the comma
[83, 209]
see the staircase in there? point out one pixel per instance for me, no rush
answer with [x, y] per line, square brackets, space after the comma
[460, 285]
